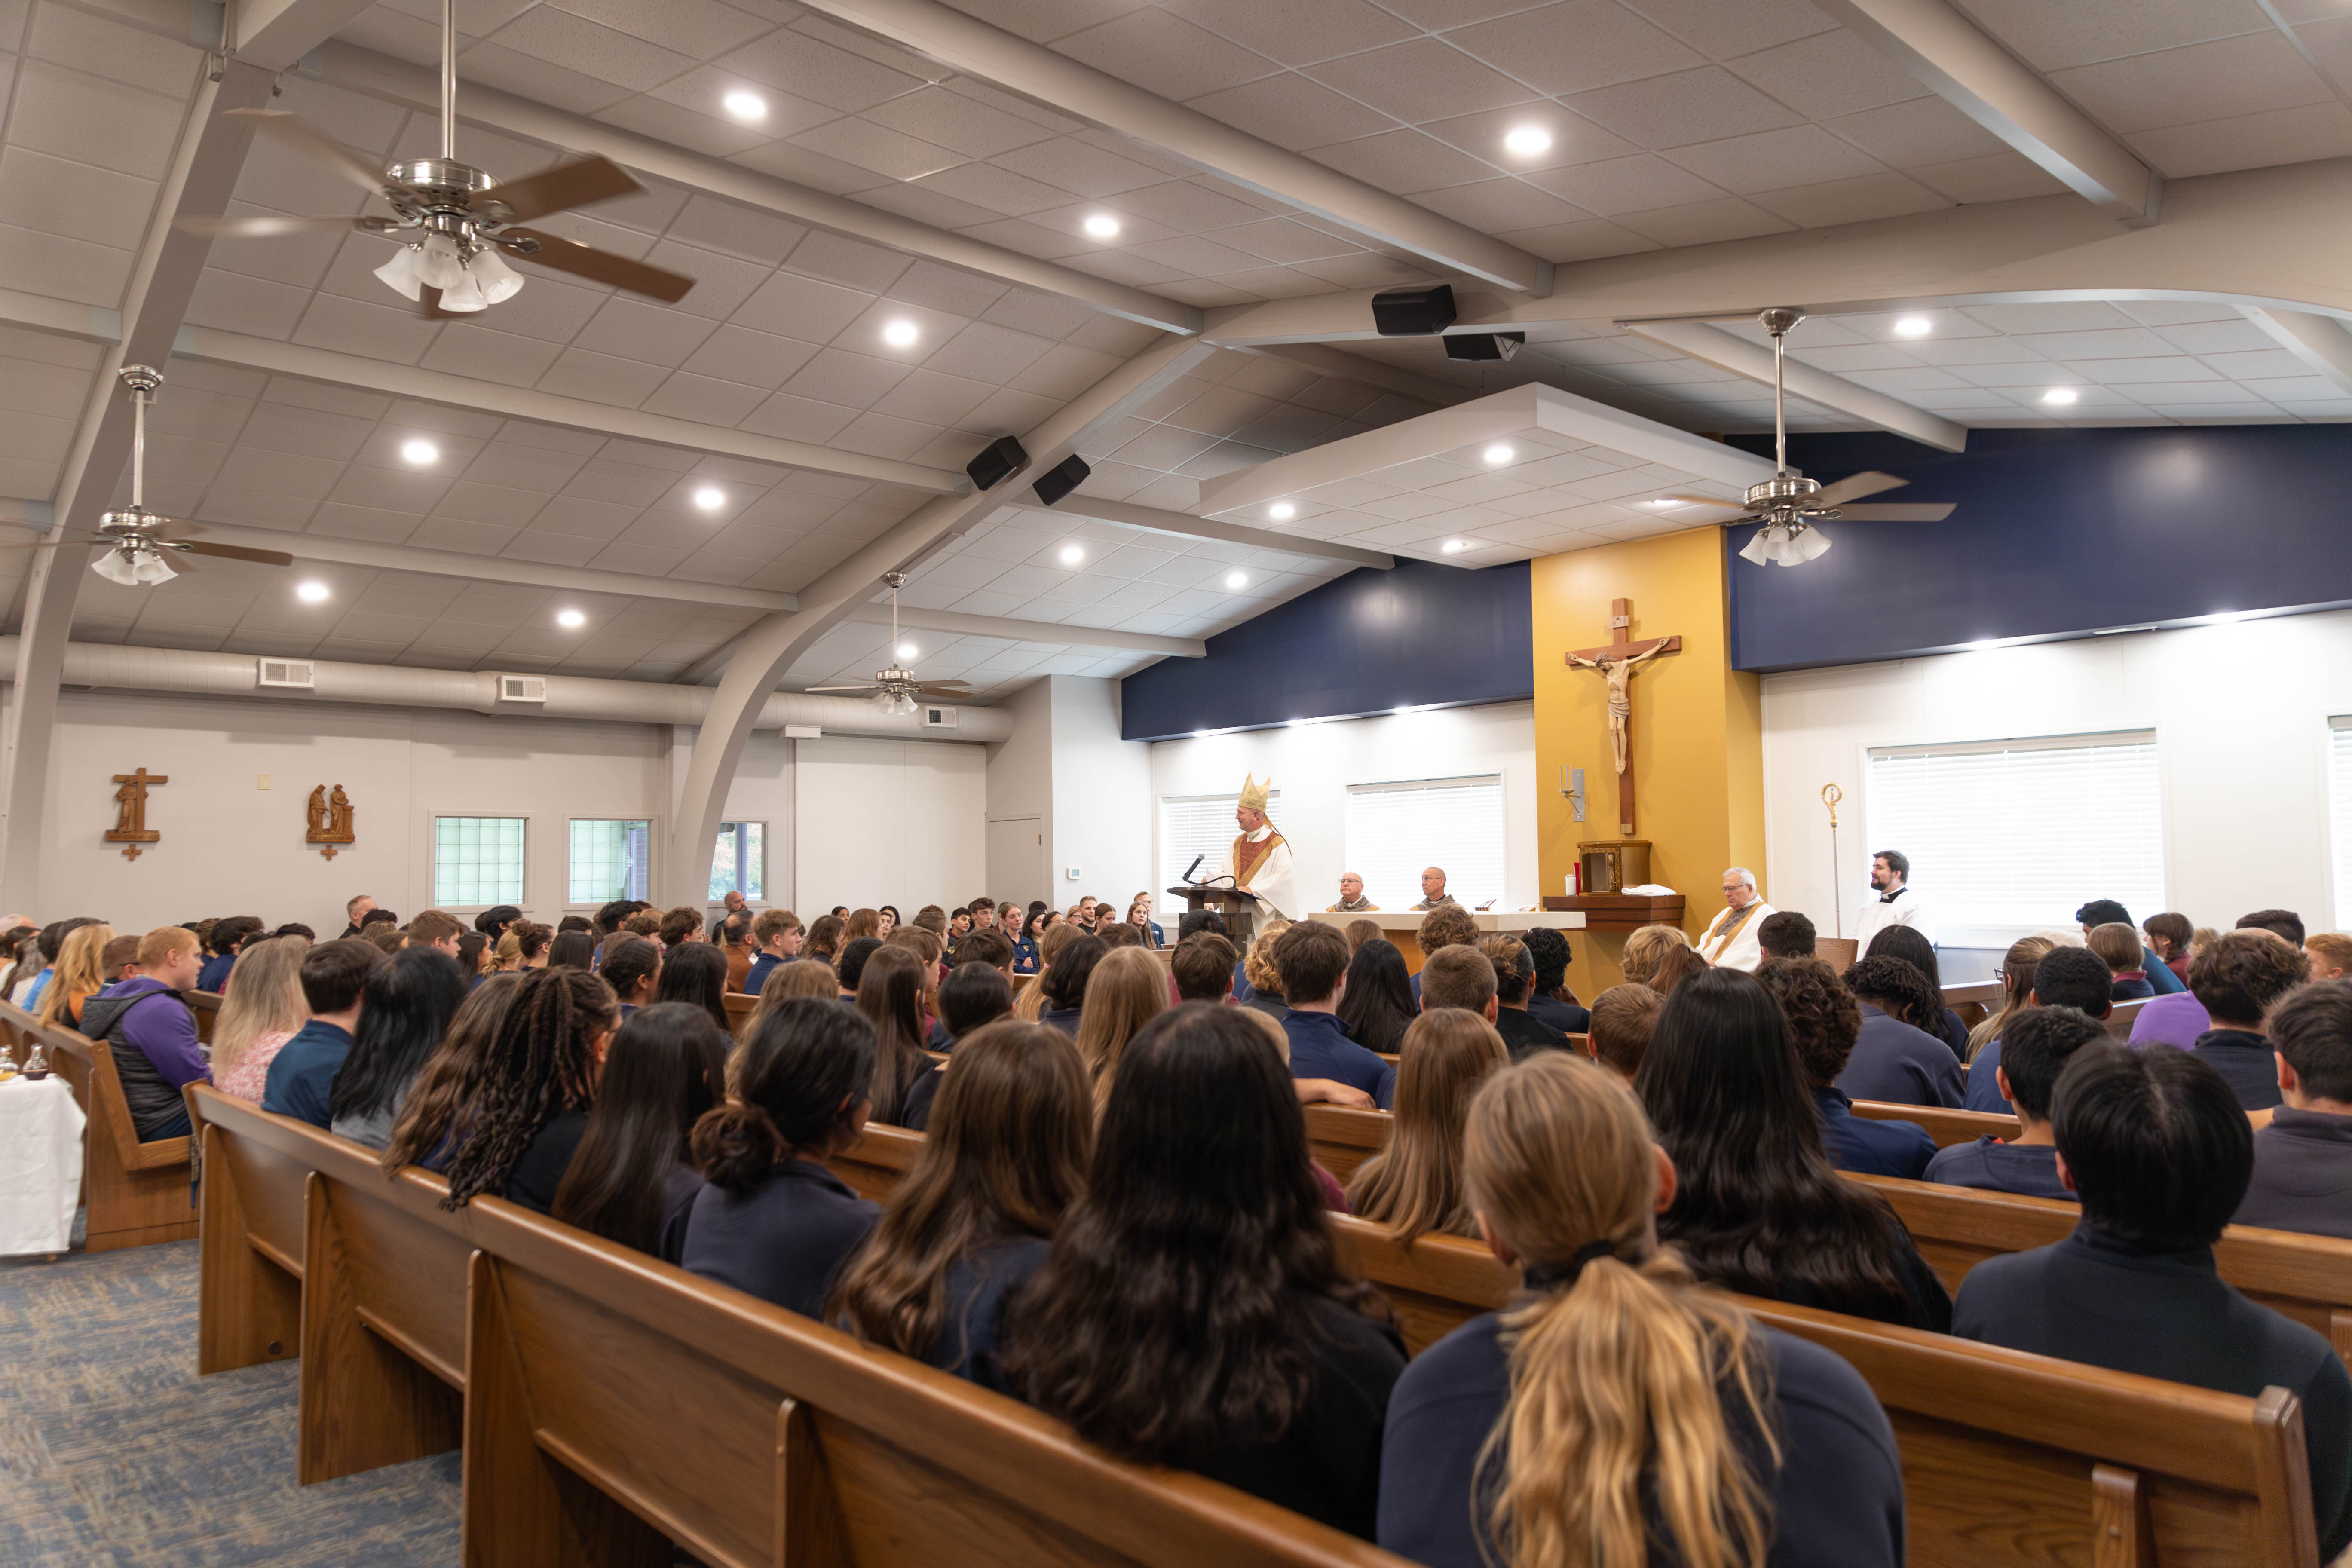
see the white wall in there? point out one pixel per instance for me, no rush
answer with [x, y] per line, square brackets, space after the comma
[2241, 717]
[1312, 765]
[902, 822]
[871, 819]
[1103, 814]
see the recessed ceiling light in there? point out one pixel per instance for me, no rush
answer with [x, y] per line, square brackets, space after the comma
[1237, 580]
[311, 593]
[1528, 140]
[1498, 454]
[1101, 226]
[709, 498]
[1282, 511]
[745, 105]
[419, 453]
[1072, 554]
[1913, 327]
[908, 650]
[571, 620]
[2060, 396]
[899, 333]
[1454, 546]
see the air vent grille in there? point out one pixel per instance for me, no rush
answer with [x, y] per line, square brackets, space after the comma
[938, 718]
[522, 689]
[292, 674]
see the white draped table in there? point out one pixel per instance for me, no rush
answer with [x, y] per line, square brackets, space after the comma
[40, 1165]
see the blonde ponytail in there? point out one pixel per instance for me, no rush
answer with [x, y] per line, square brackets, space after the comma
[1620, 1364]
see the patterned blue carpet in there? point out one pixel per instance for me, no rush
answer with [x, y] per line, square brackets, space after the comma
[114, 1452]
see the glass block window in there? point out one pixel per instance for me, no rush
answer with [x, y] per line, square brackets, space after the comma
[610, 859]
[477, 861]
[739, 861]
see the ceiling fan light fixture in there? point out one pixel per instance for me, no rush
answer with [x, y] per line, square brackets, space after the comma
[399, 274]
[497, 279]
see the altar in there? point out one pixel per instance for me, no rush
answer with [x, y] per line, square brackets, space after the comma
[1399, 926]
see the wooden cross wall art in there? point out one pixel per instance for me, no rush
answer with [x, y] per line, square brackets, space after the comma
[131, 829]
[331, 820]
[1615, 662]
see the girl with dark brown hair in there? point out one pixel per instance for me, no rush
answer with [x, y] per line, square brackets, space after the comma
[530, 1106]
[632, 1178]
[892, 991]
[1004, 1156]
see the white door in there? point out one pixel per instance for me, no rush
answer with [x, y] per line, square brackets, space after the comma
[1017, 859]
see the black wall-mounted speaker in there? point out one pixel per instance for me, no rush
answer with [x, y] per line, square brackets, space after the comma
[1057, 482]
[999, 458]
[1414, 312]
[1484, 345]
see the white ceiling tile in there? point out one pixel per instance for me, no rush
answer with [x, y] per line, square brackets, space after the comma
[1701, 222]
[638, 330]
[790, 306]
[602, 378]
[1579, 44]
[1775, 160]
[797, 63]
[1163, 53]
[1999, 177]
[1829, 74]
[2249, 141]
[1709, 104]
[881, 148]
[85, 118]
[797, 418]
[959, 124]
[464, 349]
[606, 54]
[1288, 111]
[2050, 36]
[2250, 73]
[1857, 200]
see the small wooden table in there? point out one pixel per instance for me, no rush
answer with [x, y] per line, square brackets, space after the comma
[1620, 911]
[1399, 926]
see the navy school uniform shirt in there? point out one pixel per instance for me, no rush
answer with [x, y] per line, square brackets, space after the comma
[1893, 1061]
[1872, 1148]
[1983, 1088]
[1524, 1034]
[213, 977]
[767, 963]
[1836, 1502]
[2246, 1061]
[1319, 1048]
[1990, 1165]
[979, 1287]
[2161, 980]
[544, 1160]
[2303, 1175]
[1566, 1017]
[2164, 1312]
[782, 1239]
[302, 1074]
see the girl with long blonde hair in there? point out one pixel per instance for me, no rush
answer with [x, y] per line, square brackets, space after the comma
[1127, 990]
[260, 1011]
[1030, 1003]
[1414, 1185]
[1617, 1413]
[2016, 977]
[81, 972]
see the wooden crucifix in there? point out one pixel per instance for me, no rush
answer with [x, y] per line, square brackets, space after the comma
[130, 816]
[1615, 662]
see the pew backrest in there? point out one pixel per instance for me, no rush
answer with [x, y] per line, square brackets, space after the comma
[1342, 1139]
[2007, 1457]
[874, 1163]
[1945, 1127]
[206, 1006]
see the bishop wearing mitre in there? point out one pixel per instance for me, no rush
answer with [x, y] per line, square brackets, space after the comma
[1259, 861]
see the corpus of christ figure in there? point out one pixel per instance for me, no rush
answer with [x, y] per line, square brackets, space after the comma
[1615, 662]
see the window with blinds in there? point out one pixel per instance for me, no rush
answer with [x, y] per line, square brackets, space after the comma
[1199, 824]
[610, 859]
[477, 861]
[2340, 811]
[1394, 830]
[2007, 837]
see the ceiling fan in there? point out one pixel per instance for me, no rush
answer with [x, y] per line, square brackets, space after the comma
[135, 538]
[452, 219]
[1788, 505]
[896, 689]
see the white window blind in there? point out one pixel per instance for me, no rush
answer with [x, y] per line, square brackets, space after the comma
[2340, 800]
[1394, 830]
[1199, 825]
[2010, 835]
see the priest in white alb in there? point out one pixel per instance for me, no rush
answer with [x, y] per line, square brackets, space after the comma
[1260, 861]
[1729, 941]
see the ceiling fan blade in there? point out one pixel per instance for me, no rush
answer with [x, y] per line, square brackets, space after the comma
[1854, 487]
[86, 533]
[1898, 511]
[566, 186]
[298, 133]
[236, 553]
[867, 688]
[1704, 500]
[266, 228]
[171, 528]
[942, 693]
[601, 266]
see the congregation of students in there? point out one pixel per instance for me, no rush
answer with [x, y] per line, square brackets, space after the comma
[1115, 1215]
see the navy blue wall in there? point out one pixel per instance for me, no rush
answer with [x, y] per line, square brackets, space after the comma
[1365, 643]
[2057, 533]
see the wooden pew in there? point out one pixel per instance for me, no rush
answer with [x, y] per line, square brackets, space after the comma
[875, 1162]
[1341, 1139]
[206, 1006]
[137, 1194]
[1945, 1127]
[2007, 1458]
[740, 1008]
[377, 1300]
[2307, 1277]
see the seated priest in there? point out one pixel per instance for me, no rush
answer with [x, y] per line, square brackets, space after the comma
[1730, 940]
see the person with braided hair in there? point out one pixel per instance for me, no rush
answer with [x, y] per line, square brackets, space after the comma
[771, 1220]
[1896, 1059]
[537, 1084]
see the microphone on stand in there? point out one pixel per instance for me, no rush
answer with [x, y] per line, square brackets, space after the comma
[1192, 868]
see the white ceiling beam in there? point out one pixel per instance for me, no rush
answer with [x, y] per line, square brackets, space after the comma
[1712, 345]
[395, 380]
[201, 178]
[990, 54]
[961, 625]
[2321, 342]
[413, 86]
[1184, 525]
[274, 33]
[1952, 56]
